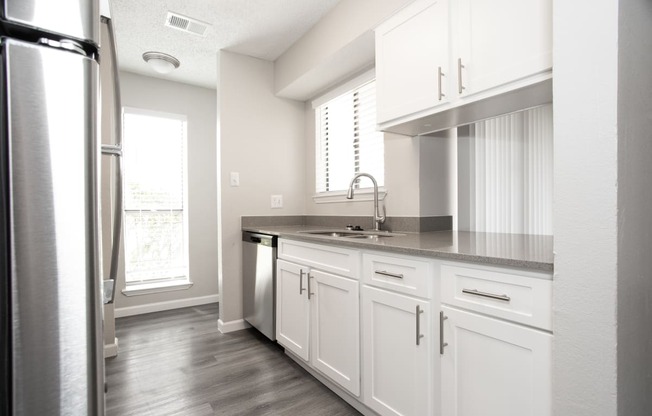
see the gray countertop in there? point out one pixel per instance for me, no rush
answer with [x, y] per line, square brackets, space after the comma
[513, 250]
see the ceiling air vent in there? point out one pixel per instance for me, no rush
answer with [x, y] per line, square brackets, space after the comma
[186, 24]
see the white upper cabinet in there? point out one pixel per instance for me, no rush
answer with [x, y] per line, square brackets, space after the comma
[412, 60]
[435, 55]
[501, 42]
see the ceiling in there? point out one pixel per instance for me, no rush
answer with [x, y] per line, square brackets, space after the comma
[260, 28]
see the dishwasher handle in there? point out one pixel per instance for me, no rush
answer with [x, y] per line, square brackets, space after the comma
[262, 239]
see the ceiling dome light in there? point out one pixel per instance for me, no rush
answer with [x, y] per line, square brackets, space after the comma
[161, 62]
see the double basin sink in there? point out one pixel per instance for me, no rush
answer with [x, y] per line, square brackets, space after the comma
[370, 235]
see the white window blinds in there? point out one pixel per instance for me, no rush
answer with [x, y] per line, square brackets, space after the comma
[347, 141]
[506, 174]
[155, 197]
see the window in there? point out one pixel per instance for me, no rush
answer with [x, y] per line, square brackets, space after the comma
[155, 198]
[505, 173]
[347, 142]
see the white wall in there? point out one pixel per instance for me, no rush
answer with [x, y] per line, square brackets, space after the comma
[339, 45]
[198, 104]
[261, 138]
[585, 45]
[634, 208]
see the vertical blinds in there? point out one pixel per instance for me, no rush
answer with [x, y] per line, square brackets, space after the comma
[511, 173]
[347, 140]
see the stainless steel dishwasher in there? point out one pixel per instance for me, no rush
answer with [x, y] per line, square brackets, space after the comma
[259, 281]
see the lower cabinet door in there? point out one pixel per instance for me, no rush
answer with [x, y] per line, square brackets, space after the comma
[398, 355]
[292, 308]
[494, 368]
[335, 328]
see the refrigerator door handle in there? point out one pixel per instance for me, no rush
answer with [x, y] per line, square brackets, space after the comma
[115, 150]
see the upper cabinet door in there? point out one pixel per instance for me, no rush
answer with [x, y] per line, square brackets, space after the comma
[501, 41]
[412, 60]
[78, 19]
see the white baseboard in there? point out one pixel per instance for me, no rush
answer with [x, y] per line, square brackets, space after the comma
[111, 350]
[231, 326]
[164, 306]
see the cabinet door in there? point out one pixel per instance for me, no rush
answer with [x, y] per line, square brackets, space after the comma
[502, 41]
[292, 308]
[397, 370]
[411, 48]
[491, 367]
[335, 328]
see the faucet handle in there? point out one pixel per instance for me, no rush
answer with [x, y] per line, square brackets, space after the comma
[382, 218]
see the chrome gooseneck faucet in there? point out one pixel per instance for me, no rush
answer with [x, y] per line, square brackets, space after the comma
[378, 219]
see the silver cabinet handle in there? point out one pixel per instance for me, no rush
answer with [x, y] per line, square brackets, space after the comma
[475, 292]
[385, 273]
[442, 344]
[301, 289]
[441, 74]
[460, 86]
[309, 290]
[419, 334]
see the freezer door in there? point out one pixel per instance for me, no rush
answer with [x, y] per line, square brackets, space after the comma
[78, 19]
[49, 164]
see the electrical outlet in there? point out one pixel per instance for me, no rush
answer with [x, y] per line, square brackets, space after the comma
[277, 201]
[235, 179]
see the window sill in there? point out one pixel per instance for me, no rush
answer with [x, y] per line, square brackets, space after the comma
[365, 194]
[158, 287]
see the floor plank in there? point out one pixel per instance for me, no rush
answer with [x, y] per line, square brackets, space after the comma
[177, 363]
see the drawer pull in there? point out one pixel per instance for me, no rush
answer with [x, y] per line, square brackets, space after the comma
[388, 274]
[475, 292]
[419, 311]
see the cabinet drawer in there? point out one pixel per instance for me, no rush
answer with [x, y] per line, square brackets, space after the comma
[407, 275]
[332, 259]
[523, 297]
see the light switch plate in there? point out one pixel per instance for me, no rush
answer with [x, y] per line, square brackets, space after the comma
[277, 201]
[235, 179]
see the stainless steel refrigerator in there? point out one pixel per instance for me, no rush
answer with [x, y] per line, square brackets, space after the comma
[51, 352]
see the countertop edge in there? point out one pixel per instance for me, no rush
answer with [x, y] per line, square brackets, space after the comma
[431, 253]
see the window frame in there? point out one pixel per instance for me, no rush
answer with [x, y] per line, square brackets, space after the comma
[155, 285]
[363, 193]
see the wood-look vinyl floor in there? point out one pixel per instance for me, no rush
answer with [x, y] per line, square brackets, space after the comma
[177, 363]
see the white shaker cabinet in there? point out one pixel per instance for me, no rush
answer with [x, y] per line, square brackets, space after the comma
[495, 343]
[500, 42]
[398, 341]
[292, 308]
[397, 345]
[438, 55]
[493, 368]
[317, 313]
[335, 326]
[412, 60]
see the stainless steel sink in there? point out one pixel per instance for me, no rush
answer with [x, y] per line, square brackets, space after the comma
[352, 234]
